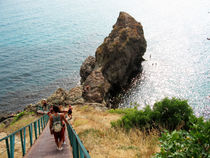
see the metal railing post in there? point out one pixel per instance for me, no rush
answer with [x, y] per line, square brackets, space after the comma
[39, 126]
[30, 134]
[43, 122]
[23, 141]
[35, 130]
[12, 145]
[7, 146]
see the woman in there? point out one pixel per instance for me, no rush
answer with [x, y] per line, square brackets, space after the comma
[56, 126]
[70, 112]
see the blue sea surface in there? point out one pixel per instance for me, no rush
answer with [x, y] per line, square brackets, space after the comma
[44, 42]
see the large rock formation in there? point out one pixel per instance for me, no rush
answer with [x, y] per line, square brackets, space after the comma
[118, 60]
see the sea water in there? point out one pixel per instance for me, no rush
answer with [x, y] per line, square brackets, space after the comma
[44, 42]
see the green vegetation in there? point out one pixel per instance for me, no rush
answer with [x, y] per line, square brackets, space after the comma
[20, 115]
[192, 143]
[168, 114]
[20, 120]
[183, 134]
[122, 111]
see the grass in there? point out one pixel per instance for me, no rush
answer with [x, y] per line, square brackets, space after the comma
[121, 111]
[20, 120]
[102, 141]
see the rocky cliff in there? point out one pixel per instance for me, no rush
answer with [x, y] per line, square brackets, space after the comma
[117, 60]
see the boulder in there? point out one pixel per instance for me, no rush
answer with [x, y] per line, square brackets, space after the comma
[87, 67]
[57, 98]
[95, 87]
[8, 121]
[32, 107]
[5, 116]
[74, 96]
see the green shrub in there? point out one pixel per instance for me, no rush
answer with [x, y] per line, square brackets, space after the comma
[168, 113]
[18, 116]
[192, 143]
[134, 118]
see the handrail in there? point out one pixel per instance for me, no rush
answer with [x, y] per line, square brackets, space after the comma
[79, 150]
[10, 139]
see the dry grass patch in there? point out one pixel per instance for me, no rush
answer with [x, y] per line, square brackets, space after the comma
[4, 131]
[94, 129]
[23, 121]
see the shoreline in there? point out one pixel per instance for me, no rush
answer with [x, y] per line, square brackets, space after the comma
[19, 100]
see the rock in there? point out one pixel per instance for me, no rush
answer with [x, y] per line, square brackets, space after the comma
[74, 96]
[87, 67]
[118, 61]
[120, 55]
[8, 121]
[31, 107]
[5, 116]
[95, 87]
[57, 98]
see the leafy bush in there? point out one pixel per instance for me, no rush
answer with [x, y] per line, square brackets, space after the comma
[171, 113]
[134, 118]
[194, 143]
[168, 113]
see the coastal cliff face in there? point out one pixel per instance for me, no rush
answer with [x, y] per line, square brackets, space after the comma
[117, 60]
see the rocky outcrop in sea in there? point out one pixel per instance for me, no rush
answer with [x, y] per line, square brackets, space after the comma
[117, 61]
